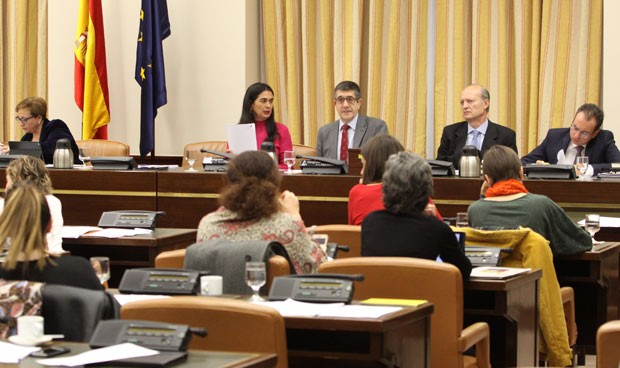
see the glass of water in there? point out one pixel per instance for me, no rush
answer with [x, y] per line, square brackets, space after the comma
[255, 277]
[190, 156]
[101, 265]
[582, 166]
[289, 160]
[593, 224]
[84, 156]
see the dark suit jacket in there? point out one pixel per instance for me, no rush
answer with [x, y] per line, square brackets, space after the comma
[366, 128]
[454, 138]
[51, 132]
[601, 150]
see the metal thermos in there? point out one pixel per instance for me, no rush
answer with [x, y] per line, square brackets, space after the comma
[469, 164]
[63, 155]
[268, 148]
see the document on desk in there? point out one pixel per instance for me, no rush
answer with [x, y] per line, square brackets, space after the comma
[604, 222]
[77, 231]
[11, 353]
[123, 299]
[293, 308]
[117, 233]
[109, 353]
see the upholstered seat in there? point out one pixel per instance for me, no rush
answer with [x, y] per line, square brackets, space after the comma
[607, 343]
[350, 235]
[439, 283]
[232, 325]
[218, 146]
[102, 147]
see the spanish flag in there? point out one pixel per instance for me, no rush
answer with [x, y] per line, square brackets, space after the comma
[91, 76]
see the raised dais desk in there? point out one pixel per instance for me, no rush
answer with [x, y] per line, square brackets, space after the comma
[130, 251]
[510, 307]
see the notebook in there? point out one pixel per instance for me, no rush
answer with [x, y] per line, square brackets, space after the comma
[25, 148]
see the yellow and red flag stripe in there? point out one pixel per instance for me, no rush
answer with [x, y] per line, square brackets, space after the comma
[91, 76]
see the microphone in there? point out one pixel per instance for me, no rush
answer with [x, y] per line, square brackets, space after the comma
[223, 154]
[342, 276]
[198, 331]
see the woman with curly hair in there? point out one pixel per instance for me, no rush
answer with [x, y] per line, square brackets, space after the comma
[253, 208]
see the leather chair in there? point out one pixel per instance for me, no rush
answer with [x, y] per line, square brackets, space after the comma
[607, 342]
[278, 265]
[219, 146]
[350, 235]
[440, 284]
[102, 147]
[301, 150]
[232, 325]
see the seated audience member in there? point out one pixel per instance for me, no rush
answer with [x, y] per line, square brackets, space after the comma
[32, 170]
[366, 196]
[584, 138]
[31, 117]
[23, 225]
[257, 109]
[352, 130]
[508, 204]
[402, 229]
[477, 130]
[253, 208]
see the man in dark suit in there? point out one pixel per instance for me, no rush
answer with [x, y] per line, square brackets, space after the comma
[359, 128]
[584, 138]
[477, 130]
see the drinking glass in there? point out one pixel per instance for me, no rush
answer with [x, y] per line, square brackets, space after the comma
[84, 156]
[289, 160]
[593, 224]
[255, 277]
[582, 166]
[190, 156]
[461, 219]
[101, 265]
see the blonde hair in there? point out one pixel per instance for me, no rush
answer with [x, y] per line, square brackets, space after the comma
[31, 169]
[23, 225]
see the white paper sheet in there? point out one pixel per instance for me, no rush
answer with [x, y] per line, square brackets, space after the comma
[241, 138]
[293, 308]
[114, 352]
[117, 233]
[123, 299]
[359, 311]
[11, 353]
[77, 231]
[605, 222]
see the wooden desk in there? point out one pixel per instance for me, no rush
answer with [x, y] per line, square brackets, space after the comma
[402, 338]
[510, 307]
[195, 359]
[130, 252]
[594, 277]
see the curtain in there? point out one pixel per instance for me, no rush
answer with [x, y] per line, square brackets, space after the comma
[540, 60]
[23, 48]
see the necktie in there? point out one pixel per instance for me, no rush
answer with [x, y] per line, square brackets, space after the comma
[579, 150]
[474, 139]
[344, 143]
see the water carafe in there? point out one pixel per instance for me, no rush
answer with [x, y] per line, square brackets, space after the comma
[63, 155]
[469, 164]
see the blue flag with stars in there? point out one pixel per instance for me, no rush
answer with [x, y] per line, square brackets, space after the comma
[150, 75]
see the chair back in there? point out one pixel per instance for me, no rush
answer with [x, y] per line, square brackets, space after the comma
[277, 266]
[232, 325]
[607, 342]
[301, 150]
[102, 147]
[219, 146]
[350, 235]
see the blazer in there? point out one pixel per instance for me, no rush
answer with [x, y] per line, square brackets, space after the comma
[51, 132]
[366, 128]
[601, 150]
[454, 138]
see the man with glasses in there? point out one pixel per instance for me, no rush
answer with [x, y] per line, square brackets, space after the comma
[351, 130]
[584, 138]
[477, 130]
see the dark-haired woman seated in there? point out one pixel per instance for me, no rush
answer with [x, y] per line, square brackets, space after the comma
[253, 208]
[24, 223]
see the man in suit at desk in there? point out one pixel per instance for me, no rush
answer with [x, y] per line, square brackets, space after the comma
[584, 137]
[351, 130]
[477, 130]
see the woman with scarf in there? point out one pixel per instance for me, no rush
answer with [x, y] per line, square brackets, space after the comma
[506, 203]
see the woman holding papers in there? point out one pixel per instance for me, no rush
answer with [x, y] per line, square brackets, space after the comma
[258, 109]
[30, 116]
[402, 229]
[23, 224]
[253, 208]
[31, 169]
[366, 196]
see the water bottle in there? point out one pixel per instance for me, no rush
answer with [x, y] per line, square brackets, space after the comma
[63, 155]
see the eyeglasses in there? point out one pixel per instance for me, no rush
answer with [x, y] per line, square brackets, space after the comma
[582, 133]
[350, 100]
[23, 120]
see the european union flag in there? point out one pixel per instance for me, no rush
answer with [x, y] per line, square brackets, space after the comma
[150, 75]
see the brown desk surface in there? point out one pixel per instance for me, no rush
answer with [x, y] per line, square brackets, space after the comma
[195, 358]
